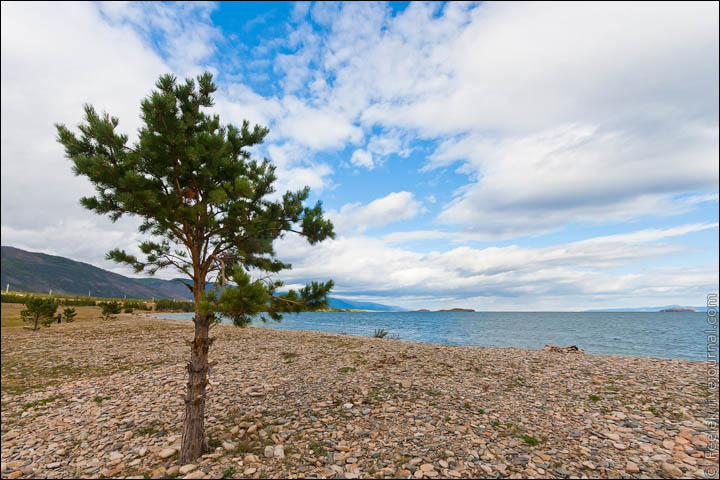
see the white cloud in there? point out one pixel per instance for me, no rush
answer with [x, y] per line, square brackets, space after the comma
[424, 235]
[296, 168]
[46, 78]
[183, 32]
[388, 143]
[300, 10]
[650, 234]
[641, 236]
[380, 212]
[573, 174]
[237, 102]
[569, 276]
[558, 113]
[74, 56]
[361, 158]
[317, 128]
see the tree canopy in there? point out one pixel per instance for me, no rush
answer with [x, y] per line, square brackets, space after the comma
[39, 311]
[207, 209]
[201, 197]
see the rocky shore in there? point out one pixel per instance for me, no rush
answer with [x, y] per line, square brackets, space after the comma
[97, 399]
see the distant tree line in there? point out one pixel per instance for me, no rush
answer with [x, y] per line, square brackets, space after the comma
[89, 302]
[10, 298]
[164, 304]
[75, 302]
[78, 302]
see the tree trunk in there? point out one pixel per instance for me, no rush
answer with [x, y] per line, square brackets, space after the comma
[193, 441]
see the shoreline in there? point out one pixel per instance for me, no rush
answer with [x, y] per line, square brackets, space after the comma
[268, 326]
[327, 404]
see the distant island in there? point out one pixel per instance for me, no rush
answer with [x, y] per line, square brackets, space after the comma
[449, 310]
[657, 308]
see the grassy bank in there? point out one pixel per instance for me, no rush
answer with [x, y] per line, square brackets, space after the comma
[11, 314]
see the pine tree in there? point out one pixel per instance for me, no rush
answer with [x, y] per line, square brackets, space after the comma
[39, 311]
[69, 315]
[109, 309]
[207, 209]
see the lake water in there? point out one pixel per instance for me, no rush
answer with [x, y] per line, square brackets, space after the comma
[639, 334]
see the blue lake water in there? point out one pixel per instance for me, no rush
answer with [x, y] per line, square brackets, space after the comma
[639, 334]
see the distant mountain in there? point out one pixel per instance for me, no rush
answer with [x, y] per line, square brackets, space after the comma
[38, 272]
[648, 309]
[355, 305]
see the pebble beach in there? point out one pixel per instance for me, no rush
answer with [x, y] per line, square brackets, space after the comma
[105, 400]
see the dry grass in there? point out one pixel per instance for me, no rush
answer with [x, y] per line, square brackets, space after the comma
[11, 314]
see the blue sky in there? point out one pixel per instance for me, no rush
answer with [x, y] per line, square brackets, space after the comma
[491, 156]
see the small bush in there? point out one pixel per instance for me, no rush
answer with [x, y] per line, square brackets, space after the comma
[109, 309]
[317, 448]
[69, 315]
[213, 443]
[380, 333]
[39, 311]
[289, 356]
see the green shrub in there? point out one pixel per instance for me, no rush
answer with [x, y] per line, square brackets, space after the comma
[39, 311]
[109, 309]
[69, 315]
[165, 304]
[532, 441]
[380, 333]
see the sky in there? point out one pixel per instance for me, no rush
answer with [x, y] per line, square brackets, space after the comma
[495, 156]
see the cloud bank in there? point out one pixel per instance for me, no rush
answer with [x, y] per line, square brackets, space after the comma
[554, 116]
